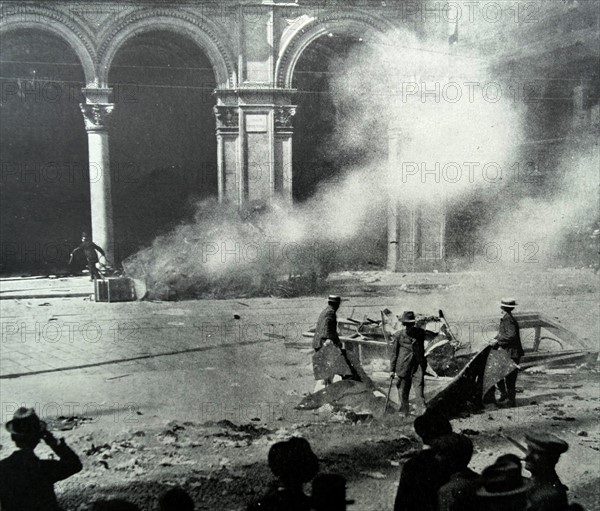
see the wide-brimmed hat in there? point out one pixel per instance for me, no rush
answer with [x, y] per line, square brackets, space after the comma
[508, 302]
[329, 490]
[293, 460]
[503, 479]
[407, 317]
[26, 423]
[334, 299]
[546, 443]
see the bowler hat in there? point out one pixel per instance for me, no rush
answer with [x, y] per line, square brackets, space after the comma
[508, 302]
[293, 460]
[329, 491]
[25, 422]
[503, 479]
[334, 299]
[546, 443]
[408, 317]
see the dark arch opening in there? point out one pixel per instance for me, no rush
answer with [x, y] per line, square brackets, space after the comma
[316, 155]
[163, 143]
[44, 195]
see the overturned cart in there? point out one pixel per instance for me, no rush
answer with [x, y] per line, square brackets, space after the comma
[462, 369]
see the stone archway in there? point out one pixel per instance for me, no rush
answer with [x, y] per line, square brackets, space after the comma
[45, 194]
[163, 155]
[206, 34]
[301, 34]
[60, 24]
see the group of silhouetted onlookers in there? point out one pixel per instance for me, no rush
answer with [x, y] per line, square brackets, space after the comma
[434, 478]
[438, 477]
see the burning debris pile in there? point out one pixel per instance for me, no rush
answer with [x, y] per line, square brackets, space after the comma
[223, 253]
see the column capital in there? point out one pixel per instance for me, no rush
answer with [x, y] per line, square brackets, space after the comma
[227, 117]
[96, 115]
[284, 117]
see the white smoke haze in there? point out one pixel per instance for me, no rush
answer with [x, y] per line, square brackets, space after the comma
[221, 253]
[538, 231]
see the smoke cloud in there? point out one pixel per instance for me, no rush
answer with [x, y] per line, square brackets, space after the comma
[458, 133]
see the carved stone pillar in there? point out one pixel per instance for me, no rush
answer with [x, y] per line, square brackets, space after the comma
[228, 153]
[254, 134]
[96, 112]
[284, 130]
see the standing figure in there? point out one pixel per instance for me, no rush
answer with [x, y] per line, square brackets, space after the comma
[328, 358]
[543, 452]
[89, 251]
[26, 482]
[508, 339]
[408, 361]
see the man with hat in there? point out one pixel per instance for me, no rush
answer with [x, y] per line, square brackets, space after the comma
[327, 345]
[89, 251]
[543, 452]
[503, 487]
[422, 475]
[453, 452]
[293, 463]
[408, 361]
[508, 339]
[26, 482]
[329, 493]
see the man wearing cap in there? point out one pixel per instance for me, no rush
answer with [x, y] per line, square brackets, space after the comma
[503, 487]
[89, 251]
[326, 334]
[509, 339]
[543, 452]
[408, 361]
[26, 482]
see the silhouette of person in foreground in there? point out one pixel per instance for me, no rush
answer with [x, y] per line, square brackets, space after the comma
[454, 452]
[293, 463]
[26, 482]
[503, 486]
[422, 475]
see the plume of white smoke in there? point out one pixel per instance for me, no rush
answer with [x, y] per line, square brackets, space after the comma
[412, 85]
[557, 228]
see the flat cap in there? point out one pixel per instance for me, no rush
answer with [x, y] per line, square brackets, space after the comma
[546, 443]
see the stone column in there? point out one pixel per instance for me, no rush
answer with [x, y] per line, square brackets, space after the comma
[254, 134]
[228, 153]
[282, 178]
[96, 112]
[392, 211]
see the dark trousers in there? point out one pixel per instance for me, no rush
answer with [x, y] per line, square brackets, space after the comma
[507, 386]
[94, 273]
[416, 377]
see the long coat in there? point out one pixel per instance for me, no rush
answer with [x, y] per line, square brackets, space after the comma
[408, 351]
[329, 360]
[27, 483]
[326, 328]
[509, 337]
